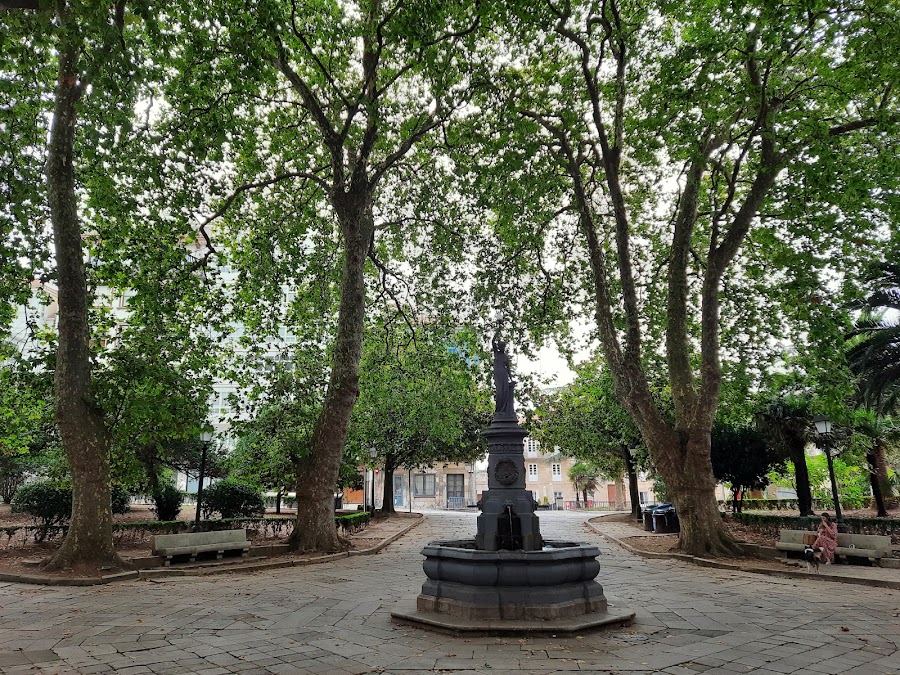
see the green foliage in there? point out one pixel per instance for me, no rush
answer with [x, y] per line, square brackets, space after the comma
[586, 421]
[852, 481]
[353, 521]
[48, 502]
[279, 435]
[772, 523]
[167, 501]
[121, 498]
[741, 457]
[660, 491]
[232, 498]
[584, 476]
[23, 409]
[874, 347]
[421, 401]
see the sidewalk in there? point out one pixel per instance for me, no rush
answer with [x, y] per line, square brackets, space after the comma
[334, 618]
[624, 535]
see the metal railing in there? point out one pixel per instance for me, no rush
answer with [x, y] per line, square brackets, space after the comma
[456, 502]
[593, 505]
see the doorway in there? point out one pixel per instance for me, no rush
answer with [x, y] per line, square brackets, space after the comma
[456, 491]
[398, 490]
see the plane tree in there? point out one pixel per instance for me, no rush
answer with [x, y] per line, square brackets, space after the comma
[313, 108]
[73, 92]
[691, 159]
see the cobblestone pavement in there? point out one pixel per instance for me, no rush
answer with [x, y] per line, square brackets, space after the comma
[334, 618]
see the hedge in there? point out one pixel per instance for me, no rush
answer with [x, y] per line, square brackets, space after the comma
[772, 523]
[786, 504]
[352, 522]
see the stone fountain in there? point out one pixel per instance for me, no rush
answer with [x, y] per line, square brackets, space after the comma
[509, 579]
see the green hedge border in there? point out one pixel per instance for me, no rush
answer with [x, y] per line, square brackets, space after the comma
[351, 522]
[884, 526]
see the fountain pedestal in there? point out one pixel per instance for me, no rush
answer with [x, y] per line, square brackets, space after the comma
[508, 579]
[507, 520]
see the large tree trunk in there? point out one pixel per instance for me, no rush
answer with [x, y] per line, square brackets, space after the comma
[633, 491]
[687, 471]
[315, 530]
[801, 478]
[88, 544]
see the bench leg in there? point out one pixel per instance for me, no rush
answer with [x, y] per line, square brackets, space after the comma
[219, 555]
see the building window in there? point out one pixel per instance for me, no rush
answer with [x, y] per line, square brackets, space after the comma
[557, 471]
[423, 484]
[645, 497]
[532, 472]
[531, 447]
[557, 495]
[220, 403]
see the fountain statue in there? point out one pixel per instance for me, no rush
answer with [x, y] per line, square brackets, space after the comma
[508, 579]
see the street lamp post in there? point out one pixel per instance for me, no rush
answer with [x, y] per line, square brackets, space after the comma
[373, 453]
[823, 441]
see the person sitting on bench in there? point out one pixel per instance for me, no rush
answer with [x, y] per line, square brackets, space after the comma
[826, 539]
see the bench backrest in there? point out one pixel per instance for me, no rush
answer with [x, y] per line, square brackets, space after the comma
[792, 536]
[199, 538]
[874, 542]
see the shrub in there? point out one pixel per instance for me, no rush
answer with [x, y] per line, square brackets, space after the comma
[48, 502]
[232, 498]
[167, 500]
[352, 522]
[121, 499]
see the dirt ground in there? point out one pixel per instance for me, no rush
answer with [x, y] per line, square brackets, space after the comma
[24, 557]
[633, 534]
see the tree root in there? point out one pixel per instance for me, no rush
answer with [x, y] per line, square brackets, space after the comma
[719, 547]
[299, 543]
[86, 565]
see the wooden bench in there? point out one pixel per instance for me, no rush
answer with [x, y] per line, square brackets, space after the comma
[194, 543]
[871, 546]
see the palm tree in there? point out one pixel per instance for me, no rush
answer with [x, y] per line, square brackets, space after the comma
[874, 344]
[584, 476]
[880, 431]
[873, 353]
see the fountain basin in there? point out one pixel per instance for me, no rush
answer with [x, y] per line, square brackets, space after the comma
[553, 583]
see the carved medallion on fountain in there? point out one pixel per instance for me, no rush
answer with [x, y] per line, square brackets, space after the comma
[509, 579]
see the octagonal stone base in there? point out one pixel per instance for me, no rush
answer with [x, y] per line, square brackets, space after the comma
[406, 613]
[473, 585]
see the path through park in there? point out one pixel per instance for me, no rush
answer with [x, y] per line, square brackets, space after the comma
[334, 618]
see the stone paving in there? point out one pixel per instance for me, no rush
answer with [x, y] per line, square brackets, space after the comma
[334, 618]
